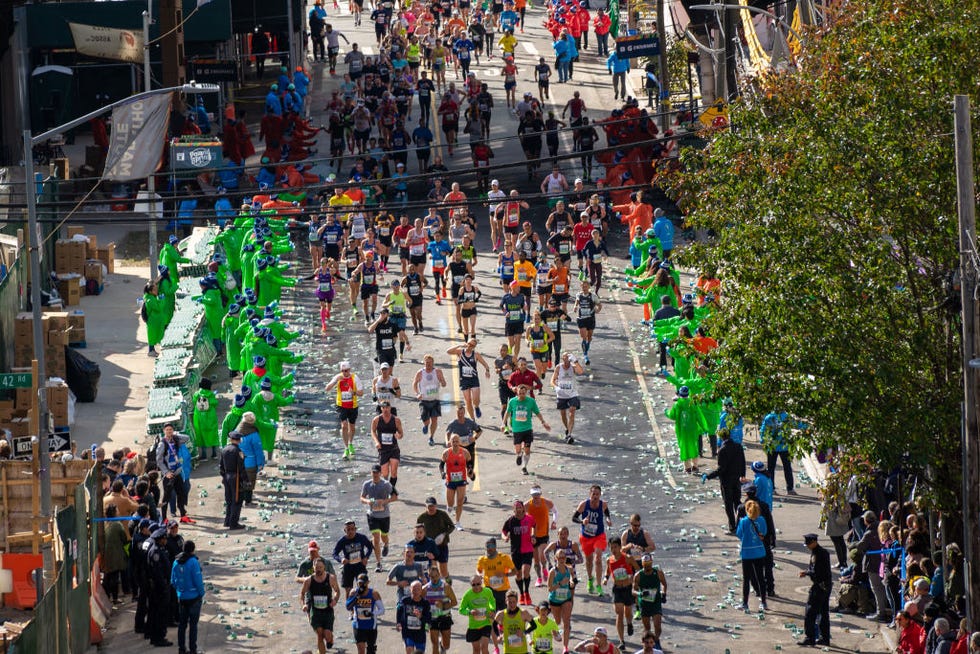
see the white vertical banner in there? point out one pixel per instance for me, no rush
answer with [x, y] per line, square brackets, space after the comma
[139, 130]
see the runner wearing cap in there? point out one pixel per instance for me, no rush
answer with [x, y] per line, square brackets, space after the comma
[587, 305]
[650, 588]
[377, 493]
[306, 565]
[478, 606]
[369, 274]
[598, 644]
[426, 385]
[386, 332]
[519, 413]
[351, 551]
[349, 389]
[496, 569]
[563, 380]
[385, 388]
[512, 621]
[468, 432]
[318, 597]
[545, 516]
[437, 527]
[454, 461]
[396, 301]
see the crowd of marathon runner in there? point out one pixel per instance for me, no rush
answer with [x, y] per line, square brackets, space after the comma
[381, 251]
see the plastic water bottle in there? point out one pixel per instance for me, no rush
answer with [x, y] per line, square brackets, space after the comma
[93, 451]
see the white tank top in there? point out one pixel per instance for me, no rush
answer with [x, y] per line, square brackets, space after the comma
[429, 385]
[567, 385]
[385, 388]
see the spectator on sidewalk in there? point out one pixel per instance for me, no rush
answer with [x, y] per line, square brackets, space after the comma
[730, 470]
[158, 571]
[115, 560]
[912, 638]
[169, 462]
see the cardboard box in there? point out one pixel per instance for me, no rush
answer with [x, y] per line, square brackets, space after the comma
[22, 398]
[70, 256]
[23, 329]
[19, 427]
[92, 250]
[70, 291]
[75, 230]
[23, 355]
[56, 320]
[76, 335]
[76, 319]
[107, 255]
[57, 337]
[95, 270]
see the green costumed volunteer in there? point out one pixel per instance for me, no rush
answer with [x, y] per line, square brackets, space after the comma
[154, 313]
[205, 420]
[269, 281]
[214, 308]
[266, 405]
[233, 344]
[170, 257]
[689, 424]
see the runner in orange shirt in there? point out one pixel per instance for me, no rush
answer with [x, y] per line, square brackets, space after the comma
[545, 519]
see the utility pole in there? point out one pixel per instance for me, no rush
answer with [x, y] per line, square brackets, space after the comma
[966, 206]
[664, 102]
[151, 182]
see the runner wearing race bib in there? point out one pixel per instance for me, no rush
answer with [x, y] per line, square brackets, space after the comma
[512, 622]
[587, 305]
[650, 588]
[593, 515]
[454, 462]
[620, 567]
[563, 380]
[442, 598]
[349, 389]
[478, 605]
[318, 601]
[544, 629]
[377, 493]
[427, 384]
[351, 551]
[520, 410]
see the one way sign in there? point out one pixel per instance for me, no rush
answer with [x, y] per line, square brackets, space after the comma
[59, 442]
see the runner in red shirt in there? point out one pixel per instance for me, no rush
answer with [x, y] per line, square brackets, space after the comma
[398, 237]
[524, 376]
[621, 567]
[582, 233]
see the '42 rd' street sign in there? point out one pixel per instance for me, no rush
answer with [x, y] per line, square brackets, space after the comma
[15, 380]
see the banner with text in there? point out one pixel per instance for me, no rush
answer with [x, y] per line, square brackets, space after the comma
[139, 130]
[108, 42]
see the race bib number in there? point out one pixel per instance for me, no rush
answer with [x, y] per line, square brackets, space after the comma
[365, 613]
[522, 276]
[515, 315]
[387, 438]
[387, 343]
[478, 614]
[564, 247]
[384, 231]
[481, 163]
[561, 593]
[456, 476]
[324, 287]
[416, 250]
[585, 312]
[354, 557]
[413, 622]
[377, 506]
[589, 529]
[496, 581]
[559, 288]
[469, 372]
[346, 396]
[620, 574]
[515, 639]
[565, 385]
[432, 393]
[521, 415]
[321, 601]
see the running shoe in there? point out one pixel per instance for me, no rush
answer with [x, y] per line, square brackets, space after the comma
[524, 470]
[587, 362]
[622, 644]
[636, 615]
[378, 568]
[459, 526]
[591, 586]
[187, 520]
[384, 550]
[438, 301]
[518, 459]
[479, 414]
[599, 591]
[763, 606]
[425, 430]
[443, 292]
[629, 628]
[431, 442]
[744, 607]
[569, 439]
[539, 583]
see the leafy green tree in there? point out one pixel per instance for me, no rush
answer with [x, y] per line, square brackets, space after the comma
[831, 210]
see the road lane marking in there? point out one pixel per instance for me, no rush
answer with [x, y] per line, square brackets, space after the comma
[658, 434]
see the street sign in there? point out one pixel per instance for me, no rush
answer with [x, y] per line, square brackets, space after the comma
[641, 45]
[10, 380]
[213, 70]
[22, 446]
[59, 442]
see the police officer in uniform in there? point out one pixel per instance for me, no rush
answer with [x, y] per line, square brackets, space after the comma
[817, 618]
[158, 565]
[234, 479]
[141, 543]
